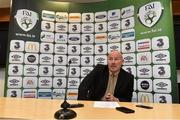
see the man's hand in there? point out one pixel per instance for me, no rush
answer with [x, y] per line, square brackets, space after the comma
[110, 97]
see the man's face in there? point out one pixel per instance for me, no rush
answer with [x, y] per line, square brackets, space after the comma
[115, 61]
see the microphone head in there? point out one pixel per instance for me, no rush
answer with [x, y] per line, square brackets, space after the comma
[70, 61]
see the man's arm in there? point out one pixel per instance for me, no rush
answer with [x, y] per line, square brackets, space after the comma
[129, 90]
[124, 86]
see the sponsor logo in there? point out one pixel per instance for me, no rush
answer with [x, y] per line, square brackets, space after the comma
[128, 46]
[47, 26]
[15, 69]
[128, 59]
[87, 60]
[74, 60]
[127, 23]
[29, 82]
[17, 45]
[127, 11]
[59, 82]
[128, 34]
[143, 45]
[31, 69]
[74, 17]
[100, 48]
[160, 42]
[129, 70]
[160, 57]
[47, 15]
[114, 14]
[45, 82]
[88, 17]
[13, 93]
[150, 13]
[73, 83]
[60, 71]
[100, 37]
[58, 94]
[61, 18]
[14, 82]
[87, 38]
[16, 57]
[161, 70]
[162, 85]
[144, 71]
[61, 48]
[86, 71]
[26, 19]
[87, 49]
[47, 36]
[100, 60]
[100, 16]
[29, 94]
[72, 94]
[32, 46]
[46, 70]
[60, 59]
[73, 71]
[61, 38]
[74, 49]
[145, 85]
[44, 94]
[114, 47]
[74, 38]
[61, 27]
[88, 28]
[46, 59]
[144, 58]
[162, 99]
[31, 58]
[144, 98]
[114, 25]
[46, 47]
[113, 37]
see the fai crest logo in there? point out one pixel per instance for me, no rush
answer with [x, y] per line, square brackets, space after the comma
[150, 13]
[26, 19]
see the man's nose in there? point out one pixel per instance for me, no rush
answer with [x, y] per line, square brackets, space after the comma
[113, 61]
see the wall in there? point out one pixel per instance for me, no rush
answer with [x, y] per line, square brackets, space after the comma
[2, 78]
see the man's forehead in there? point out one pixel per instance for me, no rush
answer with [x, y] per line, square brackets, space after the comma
[115, 53]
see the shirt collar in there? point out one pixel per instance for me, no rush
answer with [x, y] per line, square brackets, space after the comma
[111, 74]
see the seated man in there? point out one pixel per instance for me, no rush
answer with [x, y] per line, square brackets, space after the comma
[108, 82]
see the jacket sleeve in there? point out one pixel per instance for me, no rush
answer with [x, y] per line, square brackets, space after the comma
[130, 90]
[86, 85]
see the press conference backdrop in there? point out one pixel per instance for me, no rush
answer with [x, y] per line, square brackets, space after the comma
[44, 35]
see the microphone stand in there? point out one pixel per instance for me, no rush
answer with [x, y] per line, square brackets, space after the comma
[65, 113]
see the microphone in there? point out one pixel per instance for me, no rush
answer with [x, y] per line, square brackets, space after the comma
[65, 113]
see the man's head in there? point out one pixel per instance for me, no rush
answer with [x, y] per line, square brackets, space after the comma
[115, 61]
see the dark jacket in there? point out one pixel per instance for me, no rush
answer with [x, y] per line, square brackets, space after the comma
[94, 85]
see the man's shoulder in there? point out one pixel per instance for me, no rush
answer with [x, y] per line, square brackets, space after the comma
[126, 73]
